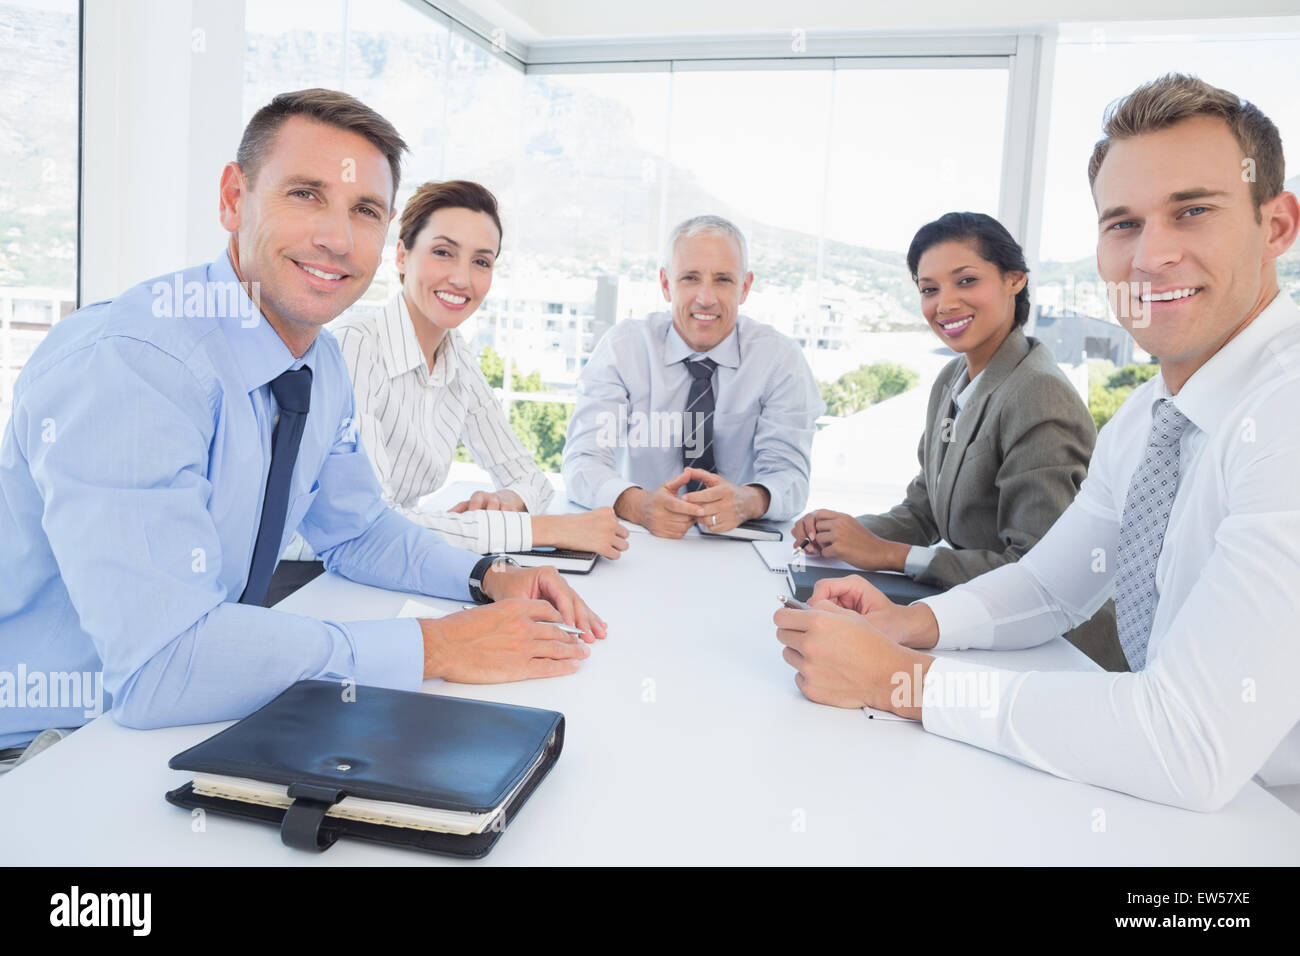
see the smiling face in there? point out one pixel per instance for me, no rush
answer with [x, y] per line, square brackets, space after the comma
[705, 285]
[448, 269]
[310, 228]
[1186, 262]
[968, 302]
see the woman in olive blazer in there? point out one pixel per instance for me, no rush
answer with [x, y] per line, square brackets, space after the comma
[1007, 439]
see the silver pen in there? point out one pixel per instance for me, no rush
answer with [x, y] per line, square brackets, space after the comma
[567, 629]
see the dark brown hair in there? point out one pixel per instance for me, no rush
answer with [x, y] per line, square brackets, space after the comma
[324, 106]
[1175, 97]
[453, 194]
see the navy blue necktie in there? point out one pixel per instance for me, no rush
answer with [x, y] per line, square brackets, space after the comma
[698, 426]
[292, 391]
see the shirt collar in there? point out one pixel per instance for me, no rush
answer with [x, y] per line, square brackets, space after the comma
[726, 352]
[401, 349]
[964, 387]
[259, 352]
[1203, 398]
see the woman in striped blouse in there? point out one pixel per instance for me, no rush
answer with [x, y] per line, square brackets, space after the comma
[420, 391]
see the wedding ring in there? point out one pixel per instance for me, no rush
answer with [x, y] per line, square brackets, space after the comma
[715, 519]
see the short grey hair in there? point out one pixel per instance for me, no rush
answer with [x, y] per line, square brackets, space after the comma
[707, 225]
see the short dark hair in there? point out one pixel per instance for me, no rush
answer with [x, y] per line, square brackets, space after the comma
[992, 241]
[1174, 97]
[453, 194]
[324, 106]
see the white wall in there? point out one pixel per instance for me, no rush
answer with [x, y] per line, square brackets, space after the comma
[163, 87]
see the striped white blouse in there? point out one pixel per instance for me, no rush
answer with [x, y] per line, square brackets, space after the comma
[411, 420]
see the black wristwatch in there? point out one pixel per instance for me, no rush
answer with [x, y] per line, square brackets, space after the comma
[480, 571]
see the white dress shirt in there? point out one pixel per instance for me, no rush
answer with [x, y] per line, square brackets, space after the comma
[1217, 701]
[766, 408]
[919, 556]
[411, 420]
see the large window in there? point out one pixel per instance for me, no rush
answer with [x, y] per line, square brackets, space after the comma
[39, 109]
[829, 167]
[1097, 63]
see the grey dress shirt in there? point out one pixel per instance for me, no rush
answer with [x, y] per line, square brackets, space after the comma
[627, 430]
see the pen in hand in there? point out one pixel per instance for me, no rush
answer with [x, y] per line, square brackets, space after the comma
[802, 544]
[576, 631]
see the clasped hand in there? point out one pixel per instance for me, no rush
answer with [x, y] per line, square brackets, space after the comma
[719, 506]
[844, 652]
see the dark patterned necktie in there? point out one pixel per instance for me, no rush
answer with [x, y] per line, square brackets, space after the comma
[292, 391]
[1142, 532]
[698, 424]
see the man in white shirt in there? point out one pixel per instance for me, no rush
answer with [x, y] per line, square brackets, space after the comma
[1190, 515]
[701, 398]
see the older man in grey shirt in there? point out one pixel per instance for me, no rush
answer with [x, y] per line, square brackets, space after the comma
[699, 414]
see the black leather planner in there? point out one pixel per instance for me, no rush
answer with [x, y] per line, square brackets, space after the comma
[899, 588]
[326, 741]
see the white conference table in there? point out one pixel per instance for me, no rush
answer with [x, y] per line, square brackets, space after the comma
[686, 743]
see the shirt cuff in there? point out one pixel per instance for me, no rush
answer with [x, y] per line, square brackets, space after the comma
[503, 531]
[538, 497]
[386, 653]
[446, 563]
[963, 620]
[298, 550]
[967, 702]
[773, 506]
[609, 491]
[786, 497]
[917, 560]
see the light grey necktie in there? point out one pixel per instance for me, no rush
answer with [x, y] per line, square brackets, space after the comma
[1142, 532]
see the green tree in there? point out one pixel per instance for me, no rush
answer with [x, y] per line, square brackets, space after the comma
[1105, 399]
[541, 426]
[1131, 376]
[865, 386]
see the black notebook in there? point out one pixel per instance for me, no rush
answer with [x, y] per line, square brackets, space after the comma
[749, 531]
[899, 588]
[565, 560]
[327, 759]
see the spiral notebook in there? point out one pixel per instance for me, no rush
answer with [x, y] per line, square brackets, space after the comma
[780, 557]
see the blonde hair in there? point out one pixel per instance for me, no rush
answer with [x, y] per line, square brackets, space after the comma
[1175, 97]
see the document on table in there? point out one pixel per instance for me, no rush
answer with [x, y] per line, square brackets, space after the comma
[873, 714]
[413, 608]
[780, 555]
[692, 531]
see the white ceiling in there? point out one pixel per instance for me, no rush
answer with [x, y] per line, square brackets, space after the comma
[542, 21]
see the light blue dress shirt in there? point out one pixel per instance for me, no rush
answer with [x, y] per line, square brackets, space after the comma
[131, 483]
[622, 433]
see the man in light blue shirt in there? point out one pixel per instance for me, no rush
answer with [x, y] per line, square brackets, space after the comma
[135, 466]
[700, 398]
